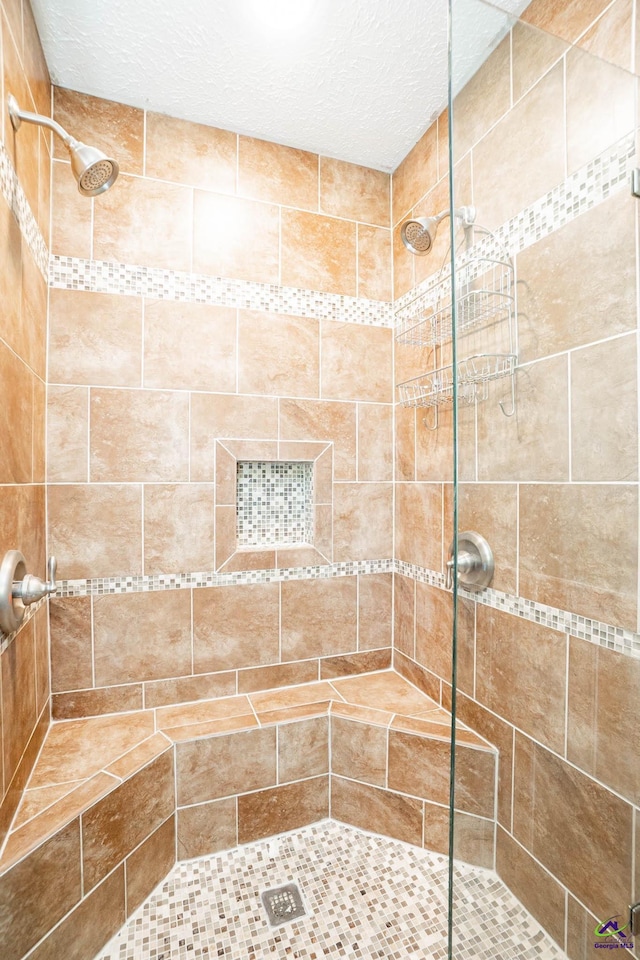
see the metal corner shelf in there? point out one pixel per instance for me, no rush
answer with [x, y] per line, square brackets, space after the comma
[485, 324]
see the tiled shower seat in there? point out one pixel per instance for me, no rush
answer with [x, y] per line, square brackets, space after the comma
[187, 780]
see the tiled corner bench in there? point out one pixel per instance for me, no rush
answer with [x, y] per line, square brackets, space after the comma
[113, 801]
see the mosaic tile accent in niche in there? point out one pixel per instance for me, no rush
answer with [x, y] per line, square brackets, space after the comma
[103, 276]
[274, 502]
[17, 200]
[367, 897]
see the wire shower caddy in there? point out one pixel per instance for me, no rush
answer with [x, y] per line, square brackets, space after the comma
[485, 326]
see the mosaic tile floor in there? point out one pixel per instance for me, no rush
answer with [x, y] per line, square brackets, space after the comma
[366, 897]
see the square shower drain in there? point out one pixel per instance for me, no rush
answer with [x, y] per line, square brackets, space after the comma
[283, 904]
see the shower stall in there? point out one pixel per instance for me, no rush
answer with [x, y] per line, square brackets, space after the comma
[342, 650]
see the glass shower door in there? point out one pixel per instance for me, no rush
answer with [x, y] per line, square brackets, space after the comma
[545, 688]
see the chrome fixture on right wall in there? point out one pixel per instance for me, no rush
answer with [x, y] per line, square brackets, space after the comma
[418, 233]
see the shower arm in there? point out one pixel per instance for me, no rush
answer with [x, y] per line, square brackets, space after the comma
[18, 116]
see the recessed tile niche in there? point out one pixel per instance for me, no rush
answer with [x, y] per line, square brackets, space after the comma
[274, 504]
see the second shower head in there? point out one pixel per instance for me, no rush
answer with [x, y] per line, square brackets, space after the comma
[93, 170]
[418, 233]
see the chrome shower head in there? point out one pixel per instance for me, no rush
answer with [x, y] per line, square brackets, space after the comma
[419, 233]
[93, 170]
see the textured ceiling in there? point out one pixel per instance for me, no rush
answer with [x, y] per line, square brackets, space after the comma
[355, 79]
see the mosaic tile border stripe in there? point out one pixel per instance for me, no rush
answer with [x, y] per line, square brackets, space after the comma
[17, 200]
[102, 276]
[584, 628]
[594, 631]
[583, 190]
[7, 639]
[185, 581]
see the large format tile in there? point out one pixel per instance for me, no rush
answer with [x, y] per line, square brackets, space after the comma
[319, 617]
[284, 808]
[377, 810]
[318, 253]
[223, 766]
[190, 153]
[278, 355]
[359, 751]
[278, 174]
[236, 626]
[110, 832]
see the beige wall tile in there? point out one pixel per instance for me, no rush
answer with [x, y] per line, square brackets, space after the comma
[567, 20]
[124, 654]
[419, 506]
[242, 761]
[344, 376]
[485, 98]
[501, 735]
[434, 632]
[569, 809]
[600, 106]
[95, 339]
[377, 810]
[190, 153]
[416, 174]
[289, 807]
[278, 355]
[362, 521]
[173, 329]
[375, 442]
[566, 292]
[16, 418]
[114, 128]
[96, 703]
[492, 508]
[222, 415]
[282, 675]
[139, 435]
[318, 253]
[70, 625]
[150, 863]
[22, 521]
[359, 751]
[67, 434]
[23, 150]
[92, 924]
[404, 264]
[39, 891]
[323, 420]
[206, 828]
[498, 158]
[580, 927]
[71, 235]
[110, 833]
[236, 626]
[144, 221]
[318, 617]
[353, 192]
[534, 887]
[10, 277]
[178, 527]
[19, 706]
[375, 611]
[374, 262]
[533, 52]
[405, 443]
[233, 237]
[474, 840]
[160, 693]
[355, 663]
[32, 343]
[226, 538]
[95, 531]
[521, 674]
[534, 443]
[303, 749]
[555, 524]
[404, 615]
[278, 174]
[604, 411]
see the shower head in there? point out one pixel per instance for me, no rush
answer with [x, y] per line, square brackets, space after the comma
[419, 233]
[93, 170]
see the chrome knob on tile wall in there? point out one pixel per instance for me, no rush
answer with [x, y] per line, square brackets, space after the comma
[18, 589]
[475, 561]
